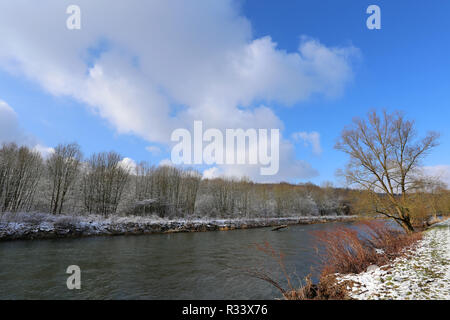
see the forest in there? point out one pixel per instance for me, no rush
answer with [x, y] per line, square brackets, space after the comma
[68, 183]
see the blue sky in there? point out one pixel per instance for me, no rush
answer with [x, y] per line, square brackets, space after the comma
[404, 66]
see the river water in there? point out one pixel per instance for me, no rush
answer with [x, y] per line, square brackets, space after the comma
[207, 265]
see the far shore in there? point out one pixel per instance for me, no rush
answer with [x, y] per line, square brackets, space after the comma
[44, 226]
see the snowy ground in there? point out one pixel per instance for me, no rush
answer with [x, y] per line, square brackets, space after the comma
[46, 226]
[424, 273]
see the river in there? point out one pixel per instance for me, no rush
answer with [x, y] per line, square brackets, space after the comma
[205, 265]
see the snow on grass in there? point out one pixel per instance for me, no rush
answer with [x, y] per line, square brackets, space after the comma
[422, 274]
[40, 218]
[41, 225]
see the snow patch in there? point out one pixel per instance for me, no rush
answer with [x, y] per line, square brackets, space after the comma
[423, 274]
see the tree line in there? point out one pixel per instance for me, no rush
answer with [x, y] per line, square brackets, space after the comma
[68, 183]
[384, 169]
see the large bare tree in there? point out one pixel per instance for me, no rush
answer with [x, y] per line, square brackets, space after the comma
[385, 156]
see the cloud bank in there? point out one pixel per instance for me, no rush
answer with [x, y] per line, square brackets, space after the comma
[149, 67]
[12, 132]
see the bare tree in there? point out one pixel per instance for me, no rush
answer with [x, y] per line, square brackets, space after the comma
[188, 190]
[62, 167]
[165, 190]
[384, 157]
[104, 182]
[143, 185]
[98, 186]
[429, 196]
[20, 171]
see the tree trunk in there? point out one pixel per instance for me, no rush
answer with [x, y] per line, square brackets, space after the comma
[407, 226]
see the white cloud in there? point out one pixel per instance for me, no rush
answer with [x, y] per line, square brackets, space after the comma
[166, 162]
[211, 173]
[290, 168]
[128, 164]
[12, 132]
[160, 55]
[44, 151]
[309, 139]
[441, 172]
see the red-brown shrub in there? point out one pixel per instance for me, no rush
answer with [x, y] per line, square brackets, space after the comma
[343, 250]
[351, 250]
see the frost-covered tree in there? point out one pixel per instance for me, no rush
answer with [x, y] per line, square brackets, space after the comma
[62, 169]
[20, 171]
[104, 182]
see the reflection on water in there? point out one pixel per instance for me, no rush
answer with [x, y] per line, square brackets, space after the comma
[162, 266]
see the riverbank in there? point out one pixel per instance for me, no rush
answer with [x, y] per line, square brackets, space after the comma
[23, 226]
[422, 274]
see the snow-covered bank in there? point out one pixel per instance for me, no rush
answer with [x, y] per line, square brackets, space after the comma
[423, 273]
[45, 226]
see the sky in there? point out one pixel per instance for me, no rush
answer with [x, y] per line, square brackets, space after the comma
[136, 71]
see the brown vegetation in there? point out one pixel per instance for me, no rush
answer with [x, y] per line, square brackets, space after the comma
[351, 250]
[343, 250]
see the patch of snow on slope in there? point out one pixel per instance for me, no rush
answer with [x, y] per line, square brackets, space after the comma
[422, 275]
